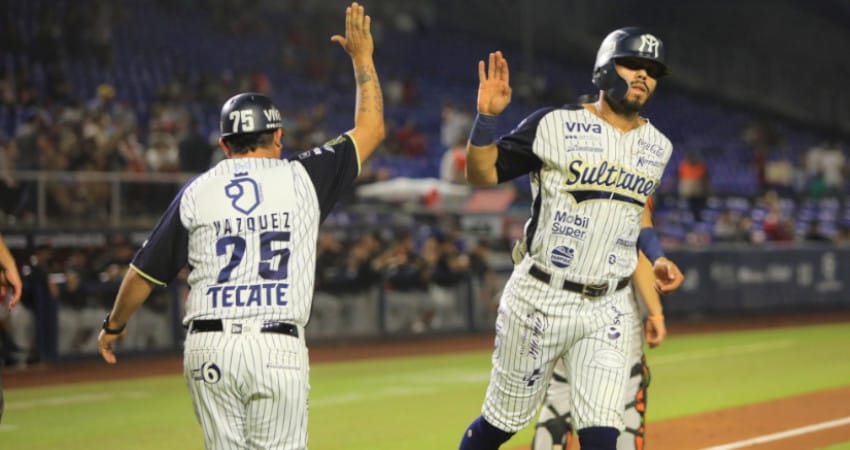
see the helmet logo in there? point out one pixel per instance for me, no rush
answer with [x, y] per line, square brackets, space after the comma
[649, 44]
[244, 194]
[272, 117]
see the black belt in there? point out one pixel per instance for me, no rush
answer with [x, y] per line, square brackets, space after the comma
[588, 290]
[202, 326]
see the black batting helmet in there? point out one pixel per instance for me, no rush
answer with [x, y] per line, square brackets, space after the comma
[629, 42]
[249, 112]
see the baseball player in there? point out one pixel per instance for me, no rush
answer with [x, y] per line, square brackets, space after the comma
[247, 228]
[592, 167]
[10, 290]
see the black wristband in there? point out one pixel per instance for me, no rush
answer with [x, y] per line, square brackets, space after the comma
[108, 330]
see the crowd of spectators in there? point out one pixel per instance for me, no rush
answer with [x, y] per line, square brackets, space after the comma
[424, 276]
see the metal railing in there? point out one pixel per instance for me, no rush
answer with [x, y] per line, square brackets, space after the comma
[58, 200]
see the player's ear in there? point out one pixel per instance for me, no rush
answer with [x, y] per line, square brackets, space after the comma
[278, 138]
[224, 147]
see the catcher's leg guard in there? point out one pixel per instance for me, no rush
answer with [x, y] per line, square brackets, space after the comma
[555, 433]
[633, 437]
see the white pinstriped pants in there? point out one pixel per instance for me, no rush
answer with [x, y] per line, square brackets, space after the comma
[537, 326]
[249, 389]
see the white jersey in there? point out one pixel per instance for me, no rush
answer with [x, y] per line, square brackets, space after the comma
[247, 229]
[579, 163]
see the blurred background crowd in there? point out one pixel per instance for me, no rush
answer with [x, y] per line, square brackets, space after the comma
[106, 107]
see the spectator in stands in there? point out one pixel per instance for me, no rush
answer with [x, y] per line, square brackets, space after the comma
[842, 237]
[162, 156]
[693, 183]
[194, 151]
[410, 140]
[454, 130]
[777, 228]
[132, 152]
[779, 174]
[453, 163]
[10, 189]
[745, 229]
[815, 234]
[728, 228]
[834, 168]
[825, 167]
[455, 125]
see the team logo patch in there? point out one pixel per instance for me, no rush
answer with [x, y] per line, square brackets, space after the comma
[208, 373]
[562, 256]
[244, 194]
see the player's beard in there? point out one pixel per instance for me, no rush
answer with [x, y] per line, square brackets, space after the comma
[624, 106]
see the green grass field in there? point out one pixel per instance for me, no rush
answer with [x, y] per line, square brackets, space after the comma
[424, 403]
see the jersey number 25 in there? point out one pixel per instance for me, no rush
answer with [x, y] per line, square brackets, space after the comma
[268, 252]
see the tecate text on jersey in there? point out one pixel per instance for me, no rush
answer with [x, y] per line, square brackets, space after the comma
[265, 294]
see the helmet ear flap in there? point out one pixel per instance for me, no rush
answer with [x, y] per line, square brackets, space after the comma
[606, 78]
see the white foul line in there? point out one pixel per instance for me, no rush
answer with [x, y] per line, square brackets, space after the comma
[783, 435]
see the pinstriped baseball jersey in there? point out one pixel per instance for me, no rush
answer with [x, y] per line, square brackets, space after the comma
[590, 182]
[247, 228]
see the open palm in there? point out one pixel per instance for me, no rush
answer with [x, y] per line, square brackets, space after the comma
[494, 89]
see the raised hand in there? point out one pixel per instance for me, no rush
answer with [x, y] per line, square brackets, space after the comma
[357, 41]
[494, 89]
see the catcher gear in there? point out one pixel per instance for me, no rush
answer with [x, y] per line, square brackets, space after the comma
[629, 42]
[249, 112]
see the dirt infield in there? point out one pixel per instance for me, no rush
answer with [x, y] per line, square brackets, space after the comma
[715, 428]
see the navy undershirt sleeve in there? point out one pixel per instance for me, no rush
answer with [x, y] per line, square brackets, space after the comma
[516, 149]
[165, 252]
[332, 168]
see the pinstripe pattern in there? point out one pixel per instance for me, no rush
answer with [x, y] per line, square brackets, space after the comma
[260, 399]
[563, 325]
[597, 230]
[559, 398]
[250, 389]
[287, 195]
[589, 196]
